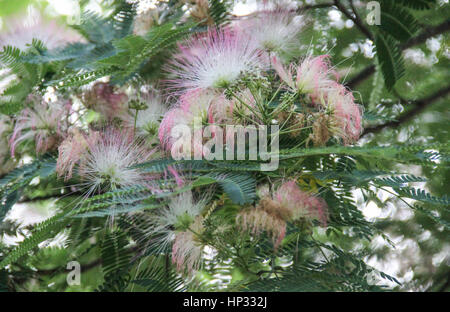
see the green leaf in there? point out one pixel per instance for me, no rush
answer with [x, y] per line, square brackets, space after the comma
[390, 59]
[397, 21]
[417, 4]
[240, 187]
[422, 195]
[41, 232]
[218, 9]
[115, 256]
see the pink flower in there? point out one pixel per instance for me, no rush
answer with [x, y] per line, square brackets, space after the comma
[288, 204]
[347, 113]
[72, 150]
[213, 60]
[148, 120]
[296, 204]
[202, 106]
[314, 75]
[186, 250]
[257, 220]
[22, 30]
[45, 123]
[315, 78]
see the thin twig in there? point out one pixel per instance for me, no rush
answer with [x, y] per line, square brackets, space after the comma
[419, 39]
[418, 107]
[354, 17]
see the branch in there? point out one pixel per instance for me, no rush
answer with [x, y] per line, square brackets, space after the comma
[426, 34]
[315, 6]
[421, 38]
[355, 18]
[419, 106]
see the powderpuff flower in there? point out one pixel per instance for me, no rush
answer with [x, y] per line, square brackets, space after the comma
[273, 30]
[314, 76]
[72, 150]
[149, 118]
[178, 225]
[295, 204]
[187, 251]
[102, 98]
[180, 213]
[257, 220]
[22, 30]
[216, 59]
[200, 106]
[109, 160]
[288, 204]
[44, 122]
[346, 113]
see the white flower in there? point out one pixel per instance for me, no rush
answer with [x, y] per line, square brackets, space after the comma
[275, 30]
[148, 120]
[214, 60]
[22, 30]
[109, 161]
[172, 224]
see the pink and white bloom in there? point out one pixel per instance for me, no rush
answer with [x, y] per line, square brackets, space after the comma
[177, 225]
[195, 106]
[21, 30]
[45, 123]
[346, 113]
[187, 251]
[257, 220]
[72, 151]
[109, 160]
[148, 120]
[313, 76]
[296, 204]
[288, 204]
[214, 60]
[273, 30]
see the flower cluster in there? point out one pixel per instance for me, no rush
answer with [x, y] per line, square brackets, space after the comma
[274, 31]
[315, 79]
[288, 204]
[236, 75]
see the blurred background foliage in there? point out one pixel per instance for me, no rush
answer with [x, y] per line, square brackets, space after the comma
[416, 110]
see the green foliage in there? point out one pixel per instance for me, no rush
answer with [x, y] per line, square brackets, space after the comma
[41, 232]
[418, 4]
[218, 9]
[112, 231]
[390, 59]
[13, 183]
[239, 187]
[397, 21]
[25, 76]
